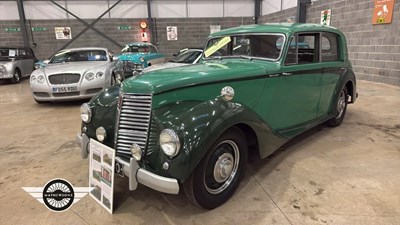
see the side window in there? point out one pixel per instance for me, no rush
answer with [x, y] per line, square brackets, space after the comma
[330, 47]
[153, 49]
[303, 49]
[22, 52]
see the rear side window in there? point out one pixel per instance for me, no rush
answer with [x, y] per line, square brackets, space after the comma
[303, 49]
[330, 47]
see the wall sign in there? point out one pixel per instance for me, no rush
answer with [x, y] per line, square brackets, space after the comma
[124, 27]
[13, 29]
[63, 32]
[383, 11]
[326, 17]
[39, 29]
[172, 33]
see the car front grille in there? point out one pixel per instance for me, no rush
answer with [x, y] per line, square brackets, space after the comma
[129, 67]
[133, 124]
[64, 78]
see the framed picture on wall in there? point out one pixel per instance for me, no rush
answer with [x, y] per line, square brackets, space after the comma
[172, 33]
[383, 11]
[63, 32]
[326, 17]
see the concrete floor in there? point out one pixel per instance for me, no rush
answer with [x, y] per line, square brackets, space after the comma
[344, 175]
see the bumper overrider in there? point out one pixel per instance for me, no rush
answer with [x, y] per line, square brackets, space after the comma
[132, 170]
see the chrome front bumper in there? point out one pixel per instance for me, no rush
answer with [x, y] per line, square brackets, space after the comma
[132, 170]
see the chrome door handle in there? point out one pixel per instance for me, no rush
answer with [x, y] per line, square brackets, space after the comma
[273, 75]
[287, 74]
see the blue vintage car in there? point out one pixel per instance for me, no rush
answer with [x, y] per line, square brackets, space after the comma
[137, 56]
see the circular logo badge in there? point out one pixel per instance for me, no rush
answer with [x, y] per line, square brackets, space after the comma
[58, 195]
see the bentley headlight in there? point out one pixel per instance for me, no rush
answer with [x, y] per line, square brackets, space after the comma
[169, 142]
[33, 79]
[89, 76]
[40, 79]
[101, 134]
[2, 69]
[141, 59]
[86, 113]
[99, 75]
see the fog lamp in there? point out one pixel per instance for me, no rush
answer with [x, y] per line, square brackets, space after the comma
[101, 134]
[136, 151]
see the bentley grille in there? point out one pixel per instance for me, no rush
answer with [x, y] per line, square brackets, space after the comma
[64, 78]
[133, 125]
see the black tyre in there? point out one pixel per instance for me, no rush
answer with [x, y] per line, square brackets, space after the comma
[17, 76]
[219, 173]
[341, 106]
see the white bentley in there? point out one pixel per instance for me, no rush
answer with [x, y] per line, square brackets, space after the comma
[73, 74]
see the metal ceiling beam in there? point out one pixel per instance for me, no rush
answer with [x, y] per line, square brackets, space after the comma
[88, 26]
[301, 15]
[22, 22]
[257, 10]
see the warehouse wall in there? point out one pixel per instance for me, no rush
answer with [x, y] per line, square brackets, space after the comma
[374, 50]
[192, 32]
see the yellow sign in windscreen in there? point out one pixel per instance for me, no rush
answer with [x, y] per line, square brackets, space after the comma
[217, 45]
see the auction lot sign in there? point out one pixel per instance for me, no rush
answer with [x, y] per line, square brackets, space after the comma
[101, 174]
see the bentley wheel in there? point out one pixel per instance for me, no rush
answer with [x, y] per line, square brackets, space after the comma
[218, 175]
[17, 77]
[341, 107]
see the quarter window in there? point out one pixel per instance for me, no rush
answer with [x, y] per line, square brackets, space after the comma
[329, 44]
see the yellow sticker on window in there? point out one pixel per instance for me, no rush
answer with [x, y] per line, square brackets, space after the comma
[216, 46]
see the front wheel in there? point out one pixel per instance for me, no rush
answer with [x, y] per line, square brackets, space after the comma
[341, 107]
[17, 77]
[218, 175]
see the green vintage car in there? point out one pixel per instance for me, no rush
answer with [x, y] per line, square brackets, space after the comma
[191, 127]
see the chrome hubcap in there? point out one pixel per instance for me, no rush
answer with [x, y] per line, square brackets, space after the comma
[16, 76]
[341, 105]
[224, 169]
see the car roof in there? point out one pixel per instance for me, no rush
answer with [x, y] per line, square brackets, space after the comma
[86, 48]
[284, 28]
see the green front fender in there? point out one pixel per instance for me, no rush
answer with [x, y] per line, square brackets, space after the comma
[199, 124]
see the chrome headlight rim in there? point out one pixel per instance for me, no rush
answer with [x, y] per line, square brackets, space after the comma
[101, 134]
[169, 142]
[141, 59]
[86, 112]
[89, 76]
[33, 79]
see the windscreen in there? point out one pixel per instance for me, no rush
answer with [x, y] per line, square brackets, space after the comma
[79, 56]
[8, 52]
[135, 49]
[187, 56]
[266, 46]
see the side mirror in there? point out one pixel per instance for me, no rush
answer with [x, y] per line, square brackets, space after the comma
[46, 61]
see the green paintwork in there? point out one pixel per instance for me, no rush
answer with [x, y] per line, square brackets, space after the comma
[267, 104]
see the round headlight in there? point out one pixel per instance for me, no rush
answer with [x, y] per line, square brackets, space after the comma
[169, 142]
[40, 79]
[86, 113]
[141, 59]
[89, 76]
[33, 79]
[101, 134]
[99, 75]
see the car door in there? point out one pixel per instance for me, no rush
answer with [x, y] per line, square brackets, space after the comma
[333, 66]
[26, 62]
[297, 96]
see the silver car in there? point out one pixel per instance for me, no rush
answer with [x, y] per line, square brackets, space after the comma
[15, 63]
[73, 74]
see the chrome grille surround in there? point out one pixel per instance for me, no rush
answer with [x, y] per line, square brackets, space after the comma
[133, 121]
[64, 78]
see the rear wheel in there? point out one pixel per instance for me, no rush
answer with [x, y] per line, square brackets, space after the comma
[341, 107]
[218, 175]
[17, 76]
